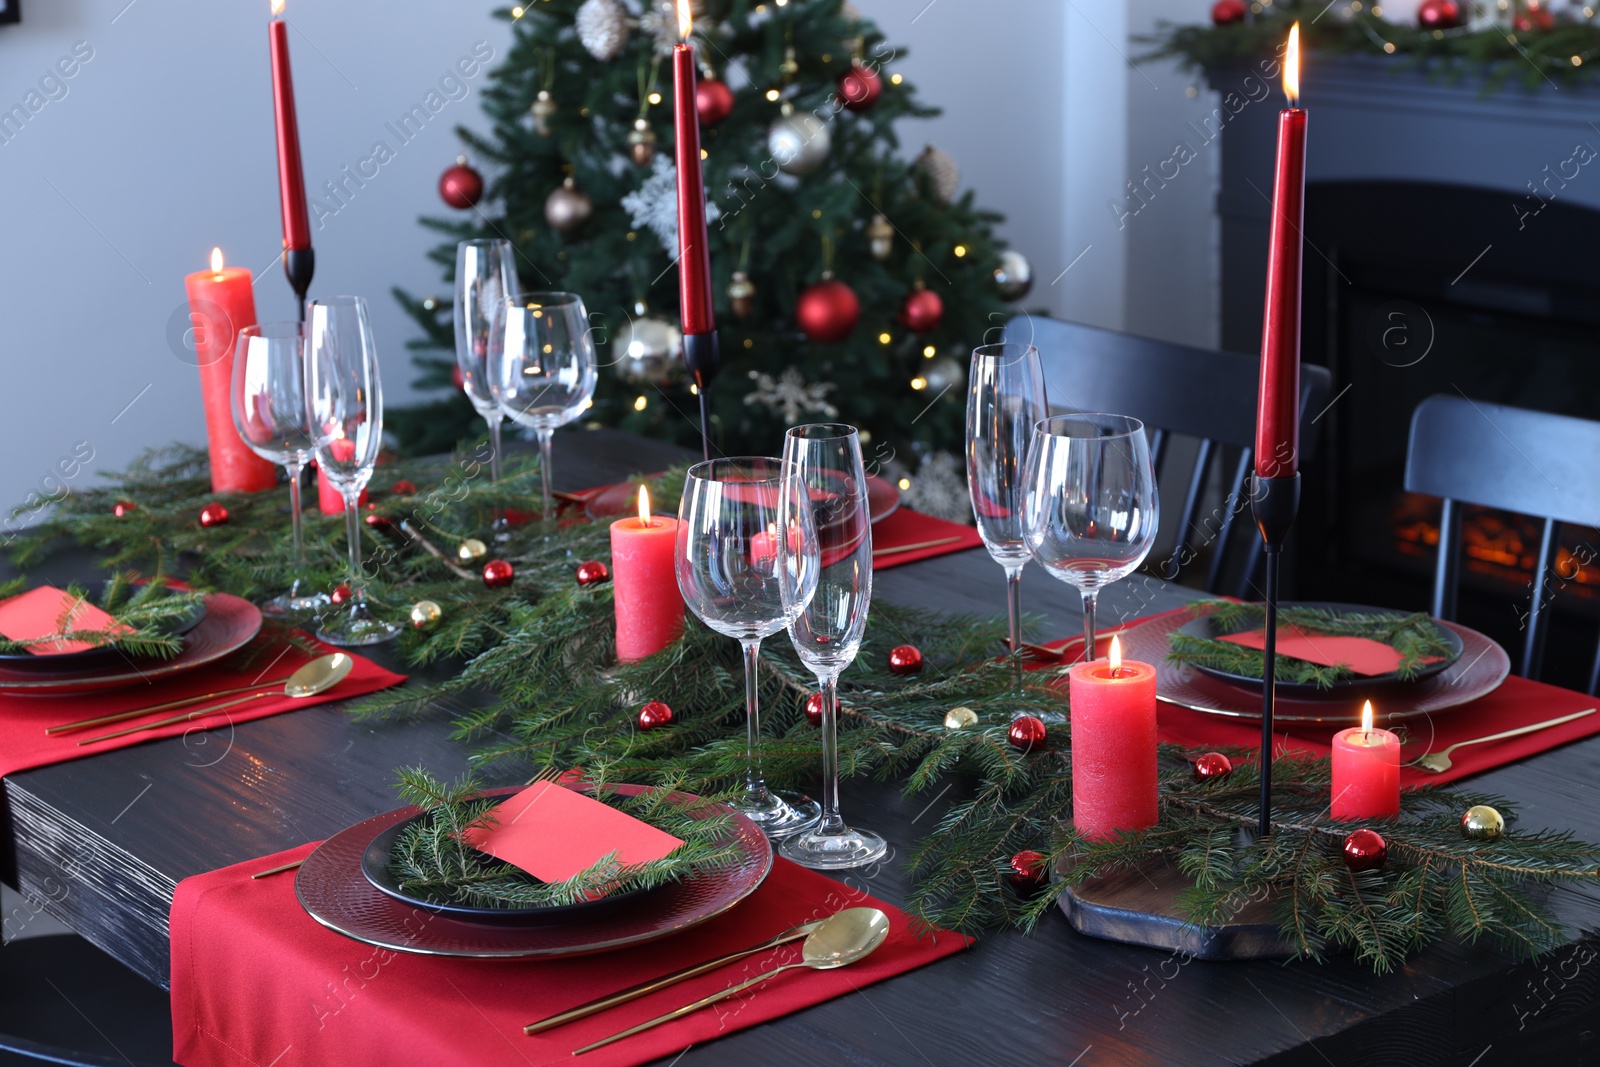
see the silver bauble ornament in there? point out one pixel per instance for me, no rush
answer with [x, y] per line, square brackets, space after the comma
[602, 26]
[542, 109]
[1014, 275]
[798, 142]
[648, 351]
[880, 236]
[568, 208]
[944, 177]
[943, 372]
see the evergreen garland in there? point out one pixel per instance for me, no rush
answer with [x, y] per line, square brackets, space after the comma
[143, 616]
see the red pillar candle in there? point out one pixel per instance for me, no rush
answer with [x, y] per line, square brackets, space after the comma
[694, 252]
[291, 179]
[221, 304]
[1113, 745]
[1366, 771]
[644, 582]
[1278, 405]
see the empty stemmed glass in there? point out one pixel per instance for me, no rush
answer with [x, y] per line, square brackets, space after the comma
[1005, 400]
[1090, 511]
[269, 411]
[731, 576]
[823, 478]
[344, 400]
[542, 367]
[486, 274]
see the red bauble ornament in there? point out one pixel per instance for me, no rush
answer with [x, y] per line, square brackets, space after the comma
[1439, 15]
[213, 514]
[592, 571]
[905, 659]
[654, 714]
[859, 87]
[713, 100]
[341, 594]
[460, 186]
[1028, 869]
[1224, 12]
[457, 379]
[1026, 732]
[378, 522]
[827, 311]
[1209, 765]
[497, 574]
[1365, 850]
[404, 487]
[923, 311]
[1534, 17]
[814, 709]
[124, 508]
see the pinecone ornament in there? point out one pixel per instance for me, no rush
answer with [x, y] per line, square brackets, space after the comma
[944, 177]
[602, 27]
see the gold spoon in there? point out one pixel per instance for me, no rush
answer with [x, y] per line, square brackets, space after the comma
[842, 939]
[1439, 762]
[318, 676]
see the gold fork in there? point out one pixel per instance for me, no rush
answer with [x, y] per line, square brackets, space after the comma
[1439, 762]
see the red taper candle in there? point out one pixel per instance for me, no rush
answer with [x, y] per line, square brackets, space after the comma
[1278, 406]
[291, 178]
[694, 251]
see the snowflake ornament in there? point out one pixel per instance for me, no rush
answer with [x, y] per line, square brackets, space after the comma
[654, 205]
[939, 488]
[791, 396]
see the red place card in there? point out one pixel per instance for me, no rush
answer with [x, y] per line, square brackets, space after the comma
[39, 613]
[553, 833]
[1362, 655]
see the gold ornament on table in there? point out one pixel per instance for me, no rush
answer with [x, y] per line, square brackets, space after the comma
[543, 109]
[471, 549]
[944, 177]
[960, 718]
[568, 208]
[1482, 823]
[642, 142]
[424, 613]
[742, 294]
[880, 236]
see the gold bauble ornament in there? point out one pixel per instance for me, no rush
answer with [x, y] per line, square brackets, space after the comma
[542, 109]
[471, 549]
[880, 236]
[1482, 823]
[742, 294]
[568, 208]
[960, 718]
[424, 613]
[642, 142]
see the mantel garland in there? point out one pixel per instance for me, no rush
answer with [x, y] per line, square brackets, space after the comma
[539, 688]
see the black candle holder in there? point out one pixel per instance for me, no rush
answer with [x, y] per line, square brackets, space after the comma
[1273, 502]
[300, 264]
[702, 357]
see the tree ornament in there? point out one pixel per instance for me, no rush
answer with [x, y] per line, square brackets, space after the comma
[859, 87]
[1365, 850]
[1014, 275]
[543, 109]
[790, 65]
[960, 718]
[123, 508]
[922, 311]
[827, 311]
[404, 487]
[378, 522]
[944, 177]
[457, 379]
[460, 186]
[1482, 823]
[424, 613]
[880, 236]
[1026, 732]
[905, 659]
[791, 396]
[814, 709]
[742, 294]
[1227, 12]
[799, 142]
[1439, 15]
[1212, 766]
[592, 572]
[213, 514]
[1534, 17]
[713, 101]
[943, 373]
[1028, 870]
[642, 142]
[654, 714]
[602, 27]
[568, 207]
[471, 549]
[497, 574]
[342, 594]
[648, 351]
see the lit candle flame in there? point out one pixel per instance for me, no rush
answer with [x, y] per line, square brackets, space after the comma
[277, 8]
[1366, 718]
[1116, 656]
[685, 19]
[644, 506]
[216, 261]
[1291, 66]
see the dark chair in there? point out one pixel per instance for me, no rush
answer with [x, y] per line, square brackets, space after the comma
[1530, 462]
[1174, 390]
[64, 1001]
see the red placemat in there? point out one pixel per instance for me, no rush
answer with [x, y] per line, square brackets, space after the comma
[1517, 702]
[23, 719]
[906, 527]
[255, 980]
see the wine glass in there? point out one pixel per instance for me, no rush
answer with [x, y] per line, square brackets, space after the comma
[486, 273]
[269, 411]
[542, 366]
[823, 476]
[344, 400]
[1005, 400]
[731, 576]
[1090, 510]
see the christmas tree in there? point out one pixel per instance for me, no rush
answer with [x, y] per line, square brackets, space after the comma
[851, 282]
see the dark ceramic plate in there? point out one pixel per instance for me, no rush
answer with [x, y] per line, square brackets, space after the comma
[89, 659]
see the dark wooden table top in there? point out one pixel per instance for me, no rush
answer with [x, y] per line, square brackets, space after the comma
[122, 828]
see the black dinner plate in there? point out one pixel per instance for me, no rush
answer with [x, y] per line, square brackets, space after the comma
[90, 659]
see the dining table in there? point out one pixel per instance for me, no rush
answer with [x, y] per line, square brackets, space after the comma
[121, 828]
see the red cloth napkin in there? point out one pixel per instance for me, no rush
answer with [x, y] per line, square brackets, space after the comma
[906, 527]
[1517, 702]
[255, 980]
[23, 719]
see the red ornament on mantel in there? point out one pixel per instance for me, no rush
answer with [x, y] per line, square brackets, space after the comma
[713, 101]
[1026, 732]
[859, 87]
[1365, 850]
[497, 574]
[655, 714]
[923, 311]
[1028, 870]
[1226, 12]
[124, 508]
[814, 709]
[341, 594]
[827, 311]
[460, 186]
[213, 514]
[905, 659]
[1212, 765]
[1439, 15]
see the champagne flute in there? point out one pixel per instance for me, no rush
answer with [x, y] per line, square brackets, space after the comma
[269, 411]
[542, 367]
[731, 576]
[1005, 400]
[486, 273]
[1090, 510]
[344, 400]
[823, 476]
